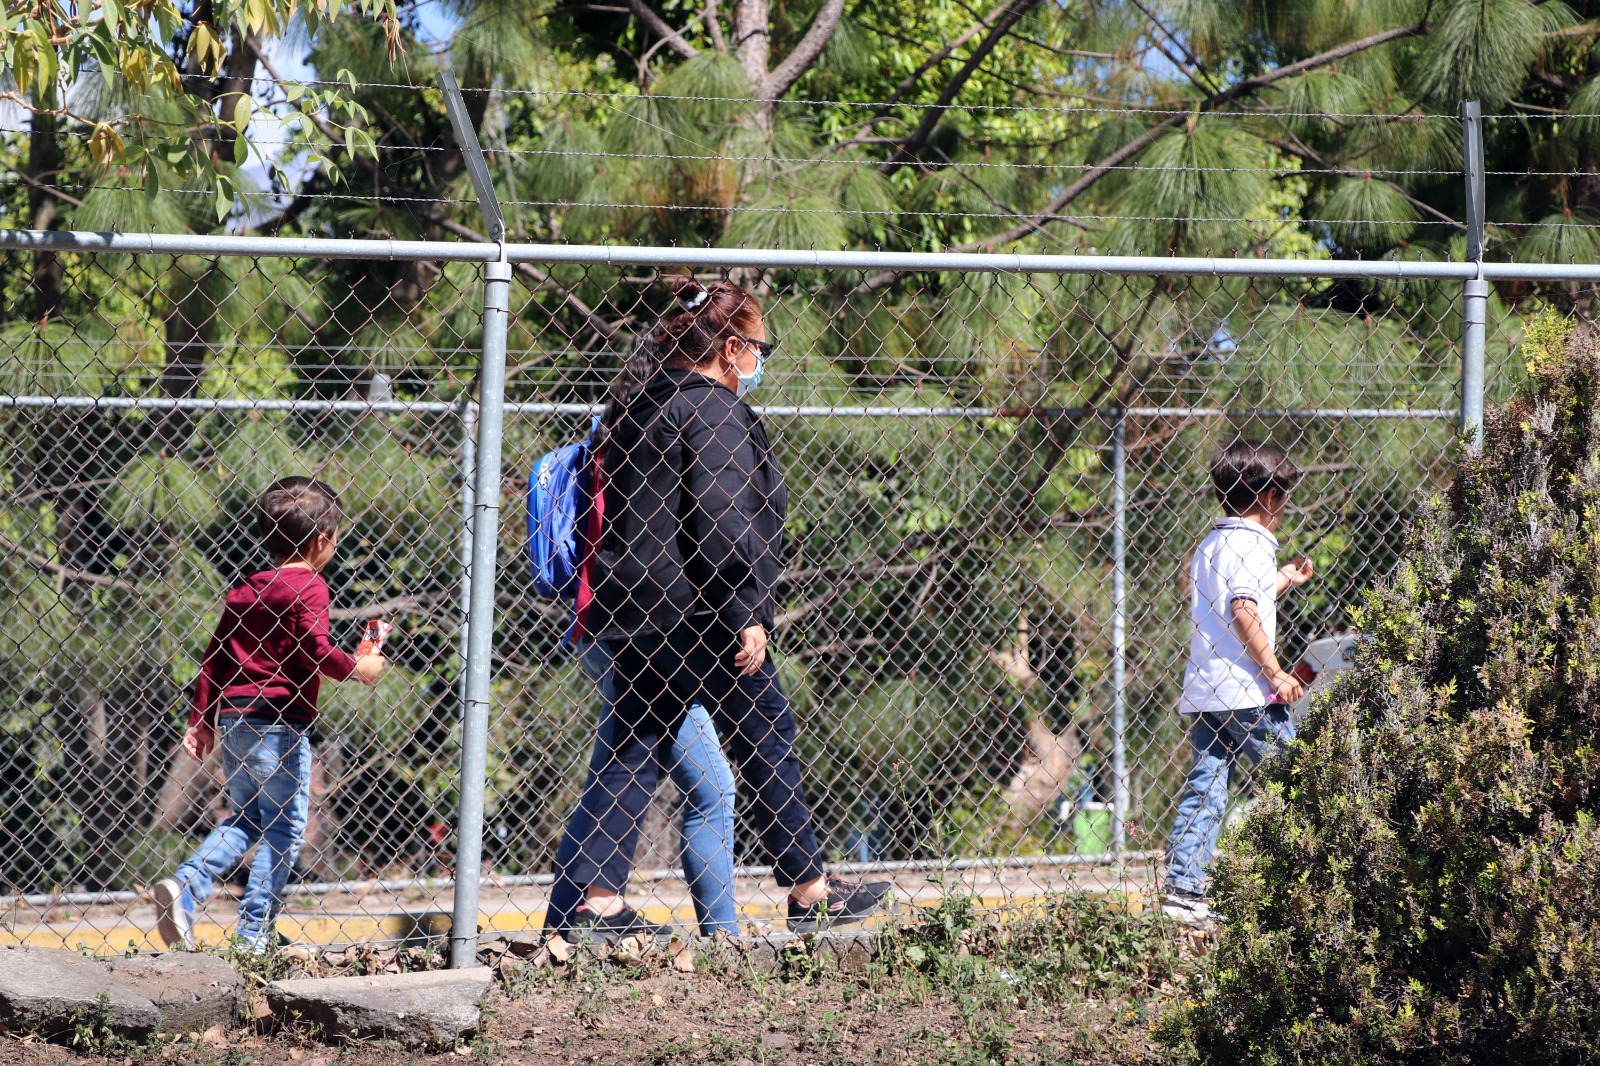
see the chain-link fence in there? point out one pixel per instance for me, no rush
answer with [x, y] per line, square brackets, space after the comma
[997, 469]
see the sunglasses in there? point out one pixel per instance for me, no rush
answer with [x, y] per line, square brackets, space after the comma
[764, 347]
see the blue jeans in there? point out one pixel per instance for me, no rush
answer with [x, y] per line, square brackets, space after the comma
[1219, 740]
[702, 774]
[267, 767]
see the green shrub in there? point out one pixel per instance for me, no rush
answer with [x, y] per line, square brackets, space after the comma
[1420, 881]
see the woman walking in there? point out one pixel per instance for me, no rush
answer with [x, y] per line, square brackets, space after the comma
[683, 577]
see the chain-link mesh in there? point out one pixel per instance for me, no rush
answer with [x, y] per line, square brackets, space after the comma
[965, 676]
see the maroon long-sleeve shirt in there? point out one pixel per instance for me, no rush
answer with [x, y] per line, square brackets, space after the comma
[270, 650]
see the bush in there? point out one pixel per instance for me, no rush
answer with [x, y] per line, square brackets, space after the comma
[1420, 881]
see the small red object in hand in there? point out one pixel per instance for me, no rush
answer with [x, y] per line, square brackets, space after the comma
[372, 640]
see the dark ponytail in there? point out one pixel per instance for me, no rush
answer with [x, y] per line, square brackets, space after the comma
[706, 317]
[642, 363]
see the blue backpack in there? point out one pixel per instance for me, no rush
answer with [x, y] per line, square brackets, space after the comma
[558, 507]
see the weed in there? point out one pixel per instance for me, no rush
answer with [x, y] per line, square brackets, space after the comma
[799, 965]
[258, 968]
[1076, 944]
[669, 1050]
[91, 1031]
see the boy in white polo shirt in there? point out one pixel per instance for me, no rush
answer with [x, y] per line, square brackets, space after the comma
[1235, 693]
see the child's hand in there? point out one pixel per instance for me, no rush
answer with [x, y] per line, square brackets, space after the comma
[199, 741]
[1288, 687]
[369, 668]
[1297, 572]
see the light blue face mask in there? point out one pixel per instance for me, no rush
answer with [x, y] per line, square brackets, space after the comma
[748, 382]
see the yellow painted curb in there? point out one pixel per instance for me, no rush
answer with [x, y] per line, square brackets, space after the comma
[328, 931]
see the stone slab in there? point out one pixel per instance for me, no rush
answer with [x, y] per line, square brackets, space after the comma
[49, 991]
[437, 1008]
[190, 990]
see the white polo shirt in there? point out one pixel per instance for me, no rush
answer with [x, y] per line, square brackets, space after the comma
[1238, 560]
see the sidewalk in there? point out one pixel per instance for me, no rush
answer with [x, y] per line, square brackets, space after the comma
[397, 917]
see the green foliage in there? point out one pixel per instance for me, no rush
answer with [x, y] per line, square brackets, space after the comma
[1072, 944]
[93, 1034]
[1416, 882]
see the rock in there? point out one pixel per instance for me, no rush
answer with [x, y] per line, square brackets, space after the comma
[190, 990]
[762, 959]
[434, 1008]
[48, 990]
[765, 955]
[846, 952]
[776, 1041]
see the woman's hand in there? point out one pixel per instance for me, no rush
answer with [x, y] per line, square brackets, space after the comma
[752, 649]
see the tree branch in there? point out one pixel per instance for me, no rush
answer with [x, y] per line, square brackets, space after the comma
[714, 27]
[910, 81]
[1245, 87]
[842, 579]
[1193, 70]
[804, 54]
[1300, 151]
[34, 183]
[931, 117]
[47, 565]
[659, 27]
[606, 329]
[1239, 89]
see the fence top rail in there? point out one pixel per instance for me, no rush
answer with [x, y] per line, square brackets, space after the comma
[778, 259]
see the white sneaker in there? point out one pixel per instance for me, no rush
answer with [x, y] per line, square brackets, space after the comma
[173, 921]
[1189, 907]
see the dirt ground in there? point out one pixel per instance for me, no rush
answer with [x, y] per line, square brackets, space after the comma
[1072, 979]
[694, 1018]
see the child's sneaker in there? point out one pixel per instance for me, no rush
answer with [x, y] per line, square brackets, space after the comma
[173, 921]
[1191, 908]
[845, 903]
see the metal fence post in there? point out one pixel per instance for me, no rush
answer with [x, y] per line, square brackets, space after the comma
[1475, 308]
[1119, 630]
[469, 474]
[485, 530]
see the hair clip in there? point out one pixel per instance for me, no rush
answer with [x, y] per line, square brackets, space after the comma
[691, 302]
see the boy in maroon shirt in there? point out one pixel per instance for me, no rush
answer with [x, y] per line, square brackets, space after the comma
[257, 690]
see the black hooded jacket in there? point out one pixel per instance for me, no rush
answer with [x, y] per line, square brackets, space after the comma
[694, 511]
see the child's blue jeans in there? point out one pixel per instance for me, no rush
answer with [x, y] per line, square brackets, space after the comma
[701, 772]
[1219, 741]
[267, 767]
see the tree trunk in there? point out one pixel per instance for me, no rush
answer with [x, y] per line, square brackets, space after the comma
[751, 38]
[1044, 768]
[194, 292]
[111, 722]
[44, 165]
[186, 790]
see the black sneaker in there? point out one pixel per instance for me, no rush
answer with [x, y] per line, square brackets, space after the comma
[845, 903]
[612, 928]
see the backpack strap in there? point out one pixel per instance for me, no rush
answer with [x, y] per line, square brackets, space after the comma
[591, 538]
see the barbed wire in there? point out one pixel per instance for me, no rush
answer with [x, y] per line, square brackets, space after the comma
[1131, 109]
[756, 208]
